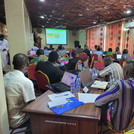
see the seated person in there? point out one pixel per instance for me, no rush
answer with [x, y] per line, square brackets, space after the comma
[35, 47]
[95, 48]
[72, 62]
[110, 51]
[78, 50]
[51, 47]
[117, 51]
[46, 51]
[54, 73]
[19, 91]
[112, 72]
[125, 55]
[60, 51]
[98, 52]
[86, 50]
[41, 56]
[119, 97]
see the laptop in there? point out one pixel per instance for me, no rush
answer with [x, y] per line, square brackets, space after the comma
[86, 78]
[64, 84]
[119, 56]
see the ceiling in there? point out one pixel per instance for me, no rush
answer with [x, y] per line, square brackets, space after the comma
[74, 14]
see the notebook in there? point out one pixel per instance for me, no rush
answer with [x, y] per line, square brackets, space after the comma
[64, 84]
[86, 78]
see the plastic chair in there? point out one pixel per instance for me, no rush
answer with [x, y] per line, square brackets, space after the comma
[42, 80]
[99, 65]
[31, 71]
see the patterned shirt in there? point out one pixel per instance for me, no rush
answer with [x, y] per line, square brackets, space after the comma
[120, 96]
[40, 58]
[113, 72]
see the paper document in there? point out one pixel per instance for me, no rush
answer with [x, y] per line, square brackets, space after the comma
[57, 102]
[67, 94]
[100, 84]
[87, 98]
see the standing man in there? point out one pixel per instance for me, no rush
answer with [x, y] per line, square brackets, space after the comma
[4, 47]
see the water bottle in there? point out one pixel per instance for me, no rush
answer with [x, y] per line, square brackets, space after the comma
[72, 85]
[78, 84]
[93, 72]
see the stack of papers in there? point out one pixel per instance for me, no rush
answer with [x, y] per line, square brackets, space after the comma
[87, 98]
[59, 99]
[100, 84]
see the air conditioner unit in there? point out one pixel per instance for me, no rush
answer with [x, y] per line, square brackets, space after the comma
[129, 25]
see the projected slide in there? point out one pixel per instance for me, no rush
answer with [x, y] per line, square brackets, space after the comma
[56, 36]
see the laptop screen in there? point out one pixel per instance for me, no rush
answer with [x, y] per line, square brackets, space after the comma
[66, 79]
[85, 77]
[119, 56]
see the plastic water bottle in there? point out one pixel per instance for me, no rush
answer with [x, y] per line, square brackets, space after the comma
[72, 85]
[93, 72]
[78, 84]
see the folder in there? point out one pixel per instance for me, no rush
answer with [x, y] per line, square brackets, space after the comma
[71, 104]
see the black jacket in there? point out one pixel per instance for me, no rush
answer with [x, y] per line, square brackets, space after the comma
[54, 73]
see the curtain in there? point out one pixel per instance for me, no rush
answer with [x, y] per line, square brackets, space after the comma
[128, 41]
[113, 36]
[96, 37]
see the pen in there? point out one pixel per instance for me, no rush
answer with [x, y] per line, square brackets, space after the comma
[61, 95]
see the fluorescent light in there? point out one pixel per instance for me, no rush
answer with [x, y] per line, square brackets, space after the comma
[80, 14]
[42, 26]
[42, 0]
[128, 11]
[42, 17]
[94, 22]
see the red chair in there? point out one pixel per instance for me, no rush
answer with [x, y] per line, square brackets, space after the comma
[122, 63]
[83, 55]
[99, 65]
[31, 71]
[95, 57]
[42, 80]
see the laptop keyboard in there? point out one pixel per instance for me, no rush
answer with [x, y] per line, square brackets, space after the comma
[60, 87]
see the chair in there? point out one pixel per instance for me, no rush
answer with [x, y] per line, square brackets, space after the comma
[99, 65]
[109, 126]
[83, 55]
[42, 80]
[31, 71]
[122, 63]
[95, 57]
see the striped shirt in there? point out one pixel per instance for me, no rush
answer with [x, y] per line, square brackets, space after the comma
[120, 98]
[113, 72]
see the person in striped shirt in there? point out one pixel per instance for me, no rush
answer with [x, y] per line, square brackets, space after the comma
[112, 71]
[120, 99]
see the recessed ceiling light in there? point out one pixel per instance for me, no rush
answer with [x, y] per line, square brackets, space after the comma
[42, 17]
[87, 9]
[42, 26]
[128, 11]
[42, 0]
[80, 14]
[94, 22]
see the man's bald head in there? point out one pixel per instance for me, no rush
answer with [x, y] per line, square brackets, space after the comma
[20, 61]
[107, 61]
[128, 70]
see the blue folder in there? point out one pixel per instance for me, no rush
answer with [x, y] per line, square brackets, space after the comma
[71, 104]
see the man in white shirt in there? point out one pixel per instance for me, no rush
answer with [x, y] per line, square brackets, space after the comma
[4, 52]
[19, 91]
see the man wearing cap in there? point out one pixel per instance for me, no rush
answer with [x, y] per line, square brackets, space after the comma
[4, 52]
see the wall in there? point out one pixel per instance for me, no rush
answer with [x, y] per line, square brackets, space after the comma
[4, 127]
[71, 37]
[82, 37]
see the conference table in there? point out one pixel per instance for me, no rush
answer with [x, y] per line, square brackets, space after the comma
[81, 120]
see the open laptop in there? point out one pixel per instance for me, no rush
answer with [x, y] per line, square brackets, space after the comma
[86, 78]
[64, 84]
[119, 56]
